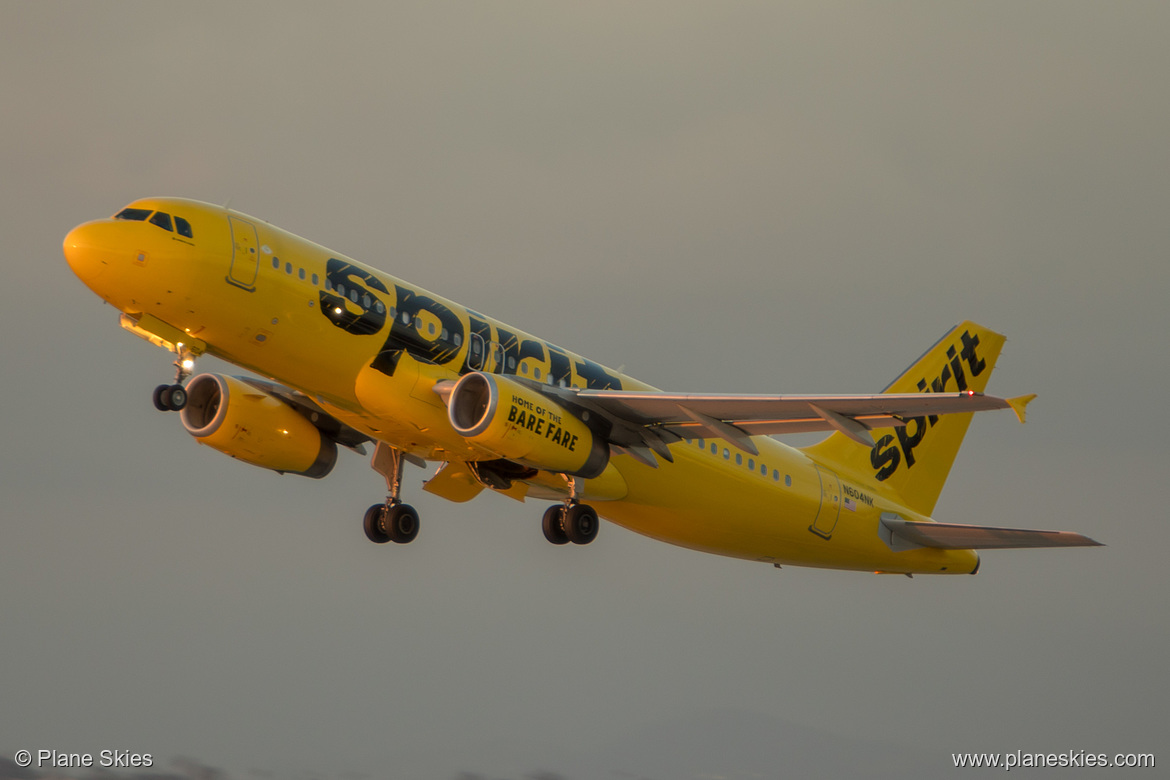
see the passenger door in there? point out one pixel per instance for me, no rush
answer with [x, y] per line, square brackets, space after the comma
[245, 254]
[830, 509]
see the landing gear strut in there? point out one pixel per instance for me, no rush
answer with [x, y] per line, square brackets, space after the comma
[392, 521]
[570, 522]
[172, 398]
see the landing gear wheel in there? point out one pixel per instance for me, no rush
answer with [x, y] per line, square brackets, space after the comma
[170, 398]
[553, 524]
[401, 523]
[373, 523]
[581, 524]
[162, 398]
[178, 398]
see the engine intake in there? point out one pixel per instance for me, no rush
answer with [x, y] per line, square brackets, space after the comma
[521, 424]
[231, 416]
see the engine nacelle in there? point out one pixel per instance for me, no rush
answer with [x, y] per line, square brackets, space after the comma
[237, 419]
[523, 425]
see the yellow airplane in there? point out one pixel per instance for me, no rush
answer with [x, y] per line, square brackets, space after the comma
[353, 356]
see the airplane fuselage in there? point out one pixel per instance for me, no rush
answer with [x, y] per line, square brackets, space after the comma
[373, 351]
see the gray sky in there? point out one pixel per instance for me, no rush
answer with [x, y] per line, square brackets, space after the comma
[721, 197]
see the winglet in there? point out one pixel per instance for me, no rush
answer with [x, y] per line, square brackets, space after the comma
[1019, 402]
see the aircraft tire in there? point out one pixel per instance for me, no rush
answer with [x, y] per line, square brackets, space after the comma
[373, 524]
[553, 525]
[401, 523]
[177, 399]
[581, 524]
[162, 400]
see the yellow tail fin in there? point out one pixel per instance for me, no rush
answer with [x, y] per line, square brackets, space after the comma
[913, 461]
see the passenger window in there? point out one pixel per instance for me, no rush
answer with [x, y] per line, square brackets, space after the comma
[763, 470]
[276, 263]
[162, 220]
[288, 268]
[353, 294]
[701, 444]
[787, 480]
[775, 475]
[714, 448]
[751, 464]
[536, 373]
[316, 278]
[183, 227]
[726, 454]
[458, 339]
[301, 273]
[738, 459]
[134, 215]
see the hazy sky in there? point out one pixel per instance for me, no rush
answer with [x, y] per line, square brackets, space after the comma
[718, 196]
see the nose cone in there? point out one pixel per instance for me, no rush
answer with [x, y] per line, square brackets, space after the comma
[88, 251]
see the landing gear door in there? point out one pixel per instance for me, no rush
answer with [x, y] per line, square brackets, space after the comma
[830, 509]
[245, 255]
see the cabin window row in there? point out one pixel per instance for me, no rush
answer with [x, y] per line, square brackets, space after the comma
[739, 460]
[477, 348]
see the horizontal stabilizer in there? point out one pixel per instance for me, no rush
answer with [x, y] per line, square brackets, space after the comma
[953, 536]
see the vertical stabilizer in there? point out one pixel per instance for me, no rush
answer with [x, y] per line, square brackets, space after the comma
[914, 460]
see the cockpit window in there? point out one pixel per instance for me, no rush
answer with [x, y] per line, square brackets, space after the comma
[183, 227]
[162, 220]
[135, 215]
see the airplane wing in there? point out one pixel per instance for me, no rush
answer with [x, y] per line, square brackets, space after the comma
[954, 536]
[650, 420]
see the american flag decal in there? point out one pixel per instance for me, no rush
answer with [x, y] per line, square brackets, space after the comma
[850, 504]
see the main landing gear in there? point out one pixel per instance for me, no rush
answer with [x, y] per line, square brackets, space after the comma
[392, 521]
[572, 521]
[172, 398]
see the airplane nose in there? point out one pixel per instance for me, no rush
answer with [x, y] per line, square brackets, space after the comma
[85, 251]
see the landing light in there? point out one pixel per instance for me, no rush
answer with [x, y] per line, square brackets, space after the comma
[188, 364]
[337, 310]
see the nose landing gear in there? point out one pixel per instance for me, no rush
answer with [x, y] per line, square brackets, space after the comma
[172, 398]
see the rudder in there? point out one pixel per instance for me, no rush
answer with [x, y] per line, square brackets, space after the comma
[914, 460]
